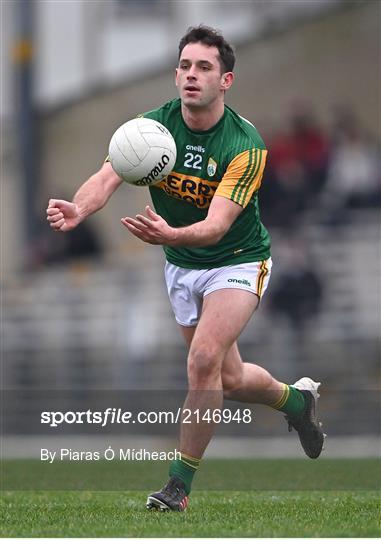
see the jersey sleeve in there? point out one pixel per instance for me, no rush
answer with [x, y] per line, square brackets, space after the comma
[243, 176]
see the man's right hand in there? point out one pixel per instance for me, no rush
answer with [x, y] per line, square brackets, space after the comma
[62, 215]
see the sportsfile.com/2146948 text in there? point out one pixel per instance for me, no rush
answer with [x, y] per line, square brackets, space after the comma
[114, 415]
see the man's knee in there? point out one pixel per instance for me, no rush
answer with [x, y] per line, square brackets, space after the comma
[204, 364]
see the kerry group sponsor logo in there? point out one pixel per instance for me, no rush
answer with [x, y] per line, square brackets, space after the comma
[191, 189]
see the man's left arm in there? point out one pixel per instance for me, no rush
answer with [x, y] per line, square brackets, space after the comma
[153, 229]
[242, 178]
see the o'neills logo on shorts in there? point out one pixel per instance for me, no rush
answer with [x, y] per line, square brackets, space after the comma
[155, 172]
[240, 281]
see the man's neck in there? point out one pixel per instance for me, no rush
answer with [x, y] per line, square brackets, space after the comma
[202, 119]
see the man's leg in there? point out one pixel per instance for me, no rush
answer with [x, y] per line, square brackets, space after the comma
[215, 369]
[224, 315]
[243, 381]
[251, 383]
[248, 382]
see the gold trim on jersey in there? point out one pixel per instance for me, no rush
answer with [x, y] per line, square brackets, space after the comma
[191, 189]
[243, 176]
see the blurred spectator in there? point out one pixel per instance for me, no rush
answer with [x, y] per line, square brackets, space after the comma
[296, 171]
[354, 179]
[311, 146]
[297, 293]
[283, 190]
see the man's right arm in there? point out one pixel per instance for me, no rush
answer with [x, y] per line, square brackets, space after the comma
[64, 216]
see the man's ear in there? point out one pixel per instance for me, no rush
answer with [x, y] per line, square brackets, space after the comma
[176, 72]
[227, 80]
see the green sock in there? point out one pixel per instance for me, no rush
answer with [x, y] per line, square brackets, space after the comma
[184, 469]
[292, 402]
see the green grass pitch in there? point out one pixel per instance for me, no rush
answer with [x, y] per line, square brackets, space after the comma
[343, 501]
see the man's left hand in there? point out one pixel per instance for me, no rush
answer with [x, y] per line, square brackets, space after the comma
[151, 228]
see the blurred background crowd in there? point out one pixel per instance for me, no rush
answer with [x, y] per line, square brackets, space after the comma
[89, 309]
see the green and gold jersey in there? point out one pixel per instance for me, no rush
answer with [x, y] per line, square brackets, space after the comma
[227, 160]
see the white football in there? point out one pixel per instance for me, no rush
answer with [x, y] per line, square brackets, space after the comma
[142, 152]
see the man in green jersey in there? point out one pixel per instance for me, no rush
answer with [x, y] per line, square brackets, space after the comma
[218, 252]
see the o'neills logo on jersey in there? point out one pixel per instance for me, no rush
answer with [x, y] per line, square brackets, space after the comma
[198, 148]
[191, 189]
[155, 172]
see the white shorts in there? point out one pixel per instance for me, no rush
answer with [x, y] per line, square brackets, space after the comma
[187, 287]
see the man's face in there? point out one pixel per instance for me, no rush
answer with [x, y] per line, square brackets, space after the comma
[198, 76]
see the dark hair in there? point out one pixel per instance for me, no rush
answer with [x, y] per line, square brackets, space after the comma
[212, 38]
